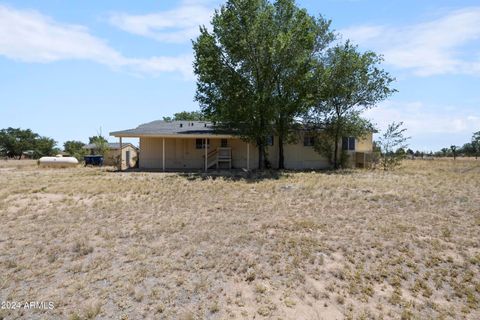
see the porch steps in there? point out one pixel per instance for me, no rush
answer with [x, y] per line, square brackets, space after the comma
[218, 156]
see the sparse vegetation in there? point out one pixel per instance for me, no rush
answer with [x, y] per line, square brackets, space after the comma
[392, 146]
[357, 244]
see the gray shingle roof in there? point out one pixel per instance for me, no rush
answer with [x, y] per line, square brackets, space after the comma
[161, 127]
[111, 145]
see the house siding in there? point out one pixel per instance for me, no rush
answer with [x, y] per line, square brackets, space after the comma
[181, 153]
[364, 144]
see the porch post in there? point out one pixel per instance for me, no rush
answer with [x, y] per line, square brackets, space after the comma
[206, 155]
[163, 154]
[121, 154]
[248, 156]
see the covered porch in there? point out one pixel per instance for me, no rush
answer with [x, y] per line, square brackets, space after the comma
[199, 152]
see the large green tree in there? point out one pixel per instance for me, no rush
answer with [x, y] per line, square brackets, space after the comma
[299, 40]
[15, 141]
[233, 66]
[349, 83]
[75, 148]
[44, 146]
[255, 67]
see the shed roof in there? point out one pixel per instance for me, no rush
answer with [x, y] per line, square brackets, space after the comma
[111, 145]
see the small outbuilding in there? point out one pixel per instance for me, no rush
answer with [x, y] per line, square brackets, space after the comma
[127, 152]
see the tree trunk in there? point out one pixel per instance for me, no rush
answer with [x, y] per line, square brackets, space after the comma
[261, 153]
[337, 137]
[281, 158]
[335, 153]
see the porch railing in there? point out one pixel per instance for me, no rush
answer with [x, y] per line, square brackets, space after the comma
[219, 155]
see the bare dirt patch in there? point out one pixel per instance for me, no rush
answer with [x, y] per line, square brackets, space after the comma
[356, 244]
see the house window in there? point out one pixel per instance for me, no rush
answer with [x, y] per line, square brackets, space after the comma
[224, 143]
[200, 143]
[308, 141]
[270, 141]
[348, 143]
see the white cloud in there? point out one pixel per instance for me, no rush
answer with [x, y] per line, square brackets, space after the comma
[182, 64]
[431, 127]
[177, 25]
[421, 119]
[29, 36]
[362, 34]
[427, 48]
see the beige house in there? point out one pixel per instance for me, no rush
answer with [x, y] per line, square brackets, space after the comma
[186, 145]
[127, 152]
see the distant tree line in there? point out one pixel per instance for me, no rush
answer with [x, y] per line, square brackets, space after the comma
[17, 143]
[469, 149]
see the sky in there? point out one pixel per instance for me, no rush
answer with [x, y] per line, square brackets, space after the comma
[70, 70]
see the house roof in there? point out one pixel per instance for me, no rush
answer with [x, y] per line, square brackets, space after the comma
[169, 128]
[110, 145]
[160, 128]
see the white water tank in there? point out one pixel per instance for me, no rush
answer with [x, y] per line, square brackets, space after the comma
[58, 162]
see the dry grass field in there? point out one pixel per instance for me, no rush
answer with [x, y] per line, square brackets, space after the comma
[355, 244]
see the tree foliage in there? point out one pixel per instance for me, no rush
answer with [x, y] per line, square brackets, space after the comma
[469, 149]
[44, 146]
[349, 83]
[97, 139]
[265, 65]
[254, 68]
[392, 140]
[328, 136]
[15, 141]
[75, 148]
[100, 142]
[299, 40]
[187, 116]
[232, 65]
[454, 149]
[476, 143]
